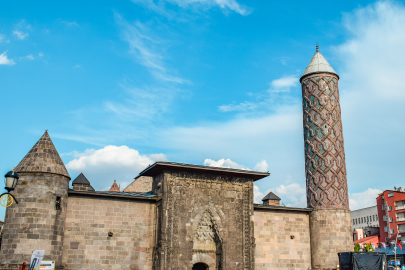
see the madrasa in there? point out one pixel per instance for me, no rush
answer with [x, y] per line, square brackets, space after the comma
[178, 216]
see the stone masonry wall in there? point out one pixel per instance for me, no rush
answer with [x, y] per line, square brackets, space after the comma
[142, 184]
[274, 247]
[90, 219]
[331, 233]
[35, 223]
[81, 187]
[204, 218]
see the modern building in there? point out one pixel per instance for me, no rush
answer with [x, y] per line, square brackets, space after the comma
[365, 217]
[391, 210]
[365, 222]
[183, 216]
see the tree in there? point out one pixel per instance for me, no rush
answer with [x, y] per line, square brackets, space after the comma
[371, 248]
[357, 247]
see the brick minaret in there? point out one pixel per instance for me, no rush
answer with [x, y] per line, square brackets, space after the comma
[38, 221]
[325, 166]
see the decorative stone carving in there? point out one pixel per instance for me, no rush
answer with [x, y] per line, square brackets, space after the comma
[325, 164]
[206, 238]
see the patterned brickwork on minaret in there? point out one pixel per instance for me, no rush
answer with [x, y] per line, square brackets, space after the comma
[325, 165]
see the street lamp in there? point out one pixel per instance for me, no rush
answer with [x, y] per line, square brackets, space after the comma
[10, 182]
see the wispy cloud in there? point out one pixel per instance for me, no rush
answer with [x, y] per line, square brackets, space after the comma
[73, 23]
[4, 60]
[3, 38]
[244, 106]
[77, 66]
[262, 100]
[147, 49]
[196, 5]
[20, 35]
[28, 57]
[142, 104]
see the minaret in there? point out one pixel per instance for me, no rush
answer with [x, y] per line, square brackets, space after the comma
[325, 166]
[38, 221]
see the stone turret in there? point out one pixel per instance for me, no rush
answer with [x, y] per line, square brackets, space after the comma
[271, 199]
[114, 187]
[38, 221]
[325, 165]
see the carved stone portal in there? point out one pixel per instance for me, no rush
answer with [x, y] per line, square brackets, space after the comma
[207, 241]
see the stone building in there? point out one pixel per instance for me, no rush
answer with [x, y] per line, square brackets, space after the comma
[182, 216]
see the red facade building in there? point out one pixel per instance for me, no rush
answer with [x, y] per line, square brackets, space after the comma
[391, 213]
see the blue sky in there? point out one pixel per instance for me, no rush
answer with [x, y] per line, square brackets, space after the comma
[121, 84]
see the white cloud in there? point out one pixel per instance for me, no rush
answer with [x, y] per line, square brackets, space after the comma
[76, 66]
[257, 195]
[225, 163]
[283, 84]
[110, 163]
[4, 60]
[262, 166]
[40, 54]
[363, 199]
[292, 195]
[28, 57]
[225, 5]
[20, 35]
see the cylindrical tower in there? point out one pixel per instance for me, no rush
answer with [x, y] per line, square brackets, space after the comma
[38, 221]
[325, 166]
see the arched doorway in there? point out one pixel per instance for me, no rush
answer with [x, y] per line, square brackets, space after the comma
[200, 266]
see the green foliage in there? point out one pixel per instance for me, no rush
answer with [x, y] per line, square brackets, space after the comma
[357, 247]
[371, 249]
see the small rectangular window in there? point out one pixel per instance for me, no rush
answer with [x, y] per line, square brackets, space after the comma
[373, 218]
[391, 219]
[385, 229]
[58, 203]
[383, 207]
[390, 194]
[389, 208]
[383, 197]
[385, 218]
[392, 231]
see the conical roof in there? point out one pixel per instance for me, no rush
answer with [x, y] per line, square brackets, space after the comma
[81, 179]
[114, 187]
[271, 196]
[43, 157]
[318, 64]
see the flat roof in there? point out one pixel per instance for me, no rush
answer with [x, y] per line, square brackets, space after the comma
[127, 195]
[281, 208]
[160, 166]
[364, 208]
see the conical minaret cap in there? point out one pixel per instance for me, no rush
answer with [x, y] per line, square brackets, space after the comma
[318, 64]
[43, 157]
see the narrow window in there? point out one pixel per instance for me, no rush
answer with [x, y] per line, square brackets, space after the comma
[390, 194]
[58, 203]
[390, 208]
